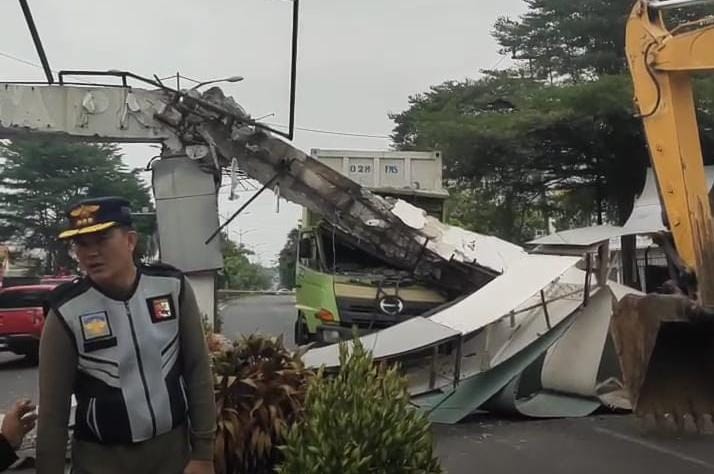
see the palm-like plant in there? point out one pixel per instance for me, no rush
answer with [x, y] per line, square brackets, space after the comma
[260, 391]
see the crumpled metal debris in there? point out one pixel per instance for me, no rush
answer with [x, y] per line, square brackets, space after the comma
[366, 218]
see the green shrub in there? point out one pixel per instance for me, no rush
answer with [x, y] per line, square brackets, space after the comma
[359, 421]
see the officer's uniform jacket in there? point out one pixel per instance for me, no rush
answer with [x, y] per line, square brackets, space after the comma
[128, 385]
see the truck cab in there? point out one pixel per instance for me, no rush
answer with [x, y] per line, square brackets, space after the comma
[341, 289]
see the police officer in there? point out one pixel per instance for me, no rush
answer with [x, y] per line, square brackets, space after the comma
[128, 342]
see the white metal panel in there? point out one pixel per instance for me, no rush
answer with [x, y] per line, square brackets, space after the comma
[532, 325]
[646, 214]
[411, 335]
[571, 365]
[580, 237]
[646, 217]
[455, 243]
[505, 293]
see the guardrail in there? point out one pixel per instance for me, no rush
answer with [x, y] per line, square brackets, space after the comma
[663, 4]
[222, 293]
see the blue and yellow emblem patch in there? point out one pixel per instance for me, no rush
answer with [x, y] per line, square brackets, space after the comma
[95, 325]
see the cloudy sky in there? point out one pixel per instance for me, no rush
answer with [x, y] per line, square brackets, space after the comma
[359, 60]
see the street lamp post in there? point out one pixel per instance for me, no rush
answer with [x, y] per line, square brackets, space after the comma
[241, 233]
[199, 84]
[213, 81]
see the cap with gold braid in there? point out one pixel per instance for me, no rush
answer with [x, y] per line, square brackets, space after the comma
[95, 215]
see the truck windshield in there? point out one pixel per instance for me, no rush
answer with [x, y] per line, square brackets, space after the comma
[340, 256]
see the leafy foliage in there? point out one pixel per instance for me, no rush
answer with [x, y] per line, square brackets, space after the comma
[287, 260]
[568, 40]
[238, 271]
[260, 391]
[562, 38]
[360, 421]
[518, 152]
[40, 178]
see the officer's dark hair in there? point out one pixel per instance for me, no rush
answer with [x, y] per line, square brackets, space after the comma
[126, 227]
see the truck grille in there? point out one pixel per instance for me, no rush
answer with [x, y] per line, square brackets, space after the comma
[366, 313]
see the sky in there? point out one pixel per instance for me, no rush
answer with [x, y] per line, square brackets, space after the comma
[359, 60]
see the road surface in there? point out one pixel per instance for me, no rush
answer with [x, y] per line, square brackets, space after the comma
[272, 315]
[484, 445]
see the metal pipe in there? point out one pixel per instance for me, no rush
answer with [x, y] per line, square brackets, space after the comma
[432, 369]
[664, 4]
[545, 309]
[36, 39]
[647, 264]
[538, 305]
[588, 276]
[293, 69]
[458, 356]
[247, 203]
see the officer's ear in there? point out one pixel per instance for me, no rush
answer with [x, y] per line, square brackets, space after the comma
[132, 237]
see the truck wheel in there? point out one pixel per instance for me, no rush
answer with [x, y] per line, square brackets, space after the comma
[302, 336]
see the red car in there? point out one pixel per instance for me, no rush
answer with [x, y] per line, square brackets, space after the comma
[22, 318]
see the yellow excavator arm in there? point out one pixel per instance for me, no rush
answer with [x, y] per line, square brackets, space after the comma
[661, 63]
[664, 342]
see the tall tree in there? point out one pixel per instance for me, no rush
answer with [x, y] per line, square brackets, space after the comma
[238, 271]
[517, 152]
[40, 178]
[564, 38]
[287, 260]
[574, 40]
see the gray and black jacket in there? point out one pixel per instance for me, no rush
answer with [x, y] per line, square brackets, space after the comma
[129, 371]
[129, 386]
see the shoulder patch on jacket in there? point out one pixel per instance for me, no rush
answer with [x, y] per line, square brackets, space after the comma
[162, 269]
[64, 292]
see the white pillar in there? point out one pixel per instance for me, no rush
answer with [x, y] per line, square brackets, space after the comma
[187, 214]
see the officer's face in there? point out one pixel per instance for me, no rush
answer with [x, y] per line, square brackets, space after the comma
[106, 256]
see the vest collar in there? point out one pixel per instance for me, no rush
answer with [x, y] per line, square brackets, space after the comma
[119, 296]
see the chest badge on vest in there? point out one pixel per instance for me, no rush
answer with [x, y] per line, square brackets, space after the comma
[161, 308]
[96, 331]
[95, 326]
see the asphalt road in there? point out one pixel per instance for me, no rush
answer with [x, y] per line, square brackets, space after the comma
[609, 444]
[265, 314]
[485, 445]
[18, 379]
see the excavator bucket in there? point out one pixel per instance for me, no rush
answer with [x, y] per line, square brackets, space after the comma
[666, 353]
